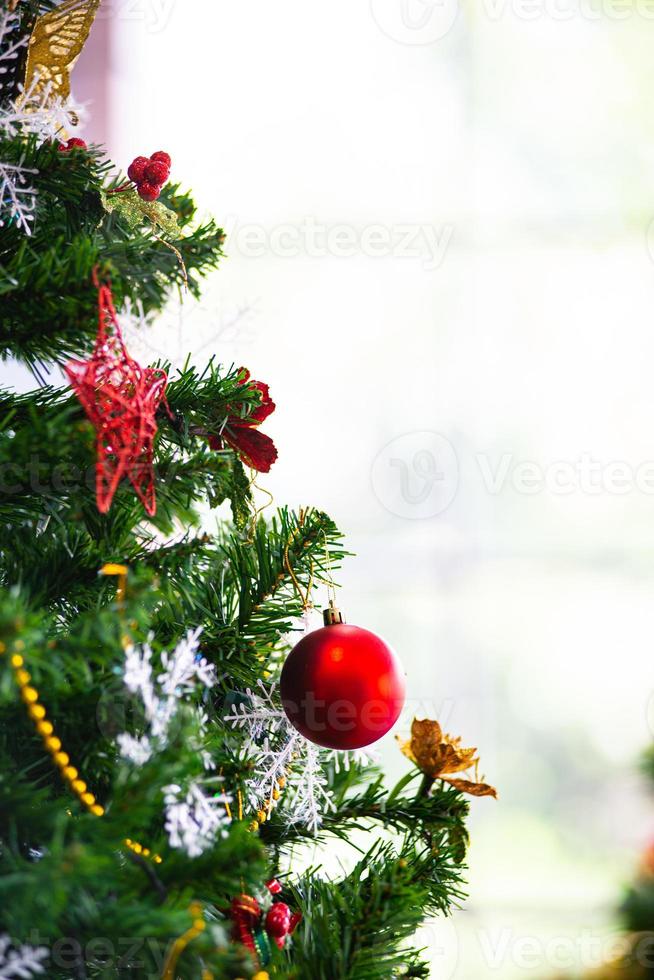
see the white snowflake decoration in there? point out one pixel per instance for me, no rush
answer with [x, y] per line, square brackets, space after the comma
[188, 326]
[9, 50]
[17, 196]
[36, 112]
[280, 751]
[162, 695]
[195, 821]
[20, 961]
[137, 750]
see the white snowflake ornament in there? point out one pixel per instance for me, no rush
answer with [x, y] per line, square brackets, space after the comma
[20, 961]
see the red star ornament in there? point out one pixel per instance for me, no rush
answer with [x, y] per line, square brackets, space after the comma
[121, 399]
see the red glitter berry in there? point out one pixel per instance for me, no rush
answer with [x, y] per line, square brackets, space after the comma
[162, 157]
[156, 173]
[149, 192]
[136, 171]
[73, 143]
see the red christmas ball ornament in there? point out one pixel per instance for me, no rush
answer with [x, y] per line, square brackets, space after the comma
[342, 687]
[278, 920]
[136, 169]
[149, 192]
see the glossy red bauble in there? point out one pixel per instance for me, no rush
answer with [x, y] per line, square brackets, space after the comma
[342, 687]
[278, 920]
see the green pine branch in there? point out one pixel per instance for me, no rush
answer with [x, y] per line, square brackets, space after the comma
[48, 301]
[422, 817]
[360, 928]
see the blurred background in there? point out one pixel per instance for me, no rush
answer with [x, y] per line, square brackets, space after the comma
[440, 257]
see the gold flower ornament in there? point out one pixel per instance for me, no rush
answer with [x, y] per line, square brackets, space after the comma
[439, 756]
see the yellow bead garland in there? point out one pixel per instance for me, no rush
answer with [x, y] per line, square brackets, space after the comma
[45, 729]
[52, 743]
[264, 813]
[197, 928]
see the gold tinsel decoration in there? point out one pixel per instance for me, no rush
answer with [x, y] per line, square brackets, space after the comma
[56, 44]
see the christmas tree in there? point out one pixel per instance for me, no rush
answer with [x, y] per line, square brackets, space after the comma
[635, 960]
[632, 945]
[169, 756]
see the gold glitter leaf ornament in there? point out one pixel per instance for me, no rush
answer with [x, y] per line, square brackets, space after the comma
[438, 755]
[136, 212]
[55, 45]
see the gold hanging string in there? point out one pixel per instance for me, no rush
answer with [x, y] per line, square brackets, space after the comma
[180, 258]
[120, 572]
[304, 597]
[331, 587]
[257, 511]
[265, 811]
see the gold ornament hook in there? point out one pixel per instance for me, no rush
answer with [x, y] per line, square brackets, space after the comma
[332, 615]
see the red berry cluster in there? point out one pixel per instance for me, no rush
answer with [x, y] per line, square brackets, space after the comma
[150, 174]
[74, 143]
